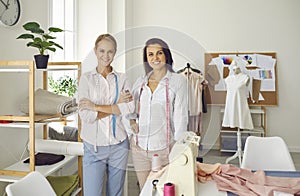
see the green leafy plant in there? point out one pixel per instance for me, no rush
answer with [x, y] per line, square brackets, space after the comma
[65, 86]
[40, 39]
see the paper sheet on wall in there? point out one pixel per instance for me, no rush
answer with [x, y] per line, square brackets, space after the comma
[249, 58]
[218, 62]
[266, 72]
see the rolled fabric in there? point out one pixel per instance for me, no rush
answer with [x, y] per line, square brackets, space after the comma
[59, 147]
[48, 103]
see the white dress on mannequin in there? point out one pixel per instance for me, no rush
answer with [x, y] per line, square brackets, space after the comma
[237, 113]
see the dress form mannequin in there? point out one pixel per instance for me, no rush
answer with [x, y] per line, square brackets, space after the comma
[236, 70]
[237, 113]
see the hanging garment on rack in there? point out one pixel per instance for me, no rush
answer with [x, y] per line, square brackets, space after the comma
[204, 104]
[195, 101]
[195, 93]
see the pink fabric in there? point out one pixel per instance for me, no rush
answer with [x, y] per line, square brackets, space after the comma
[243, 182]
[205, 171]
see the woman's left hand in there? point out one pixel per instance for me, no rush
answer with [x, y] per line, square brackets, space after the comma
[86, 104]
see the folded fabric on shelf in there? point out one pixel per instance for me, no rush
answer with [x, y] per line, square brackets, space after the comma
[68, 134]
[64, 185]
[48, 103]
[46, 159]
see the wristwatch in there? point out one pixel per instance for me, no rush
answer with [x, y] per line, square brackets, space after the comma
[10, 11]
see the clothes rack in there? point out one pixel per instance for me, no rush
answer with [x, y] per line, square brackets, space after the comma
[190, 74]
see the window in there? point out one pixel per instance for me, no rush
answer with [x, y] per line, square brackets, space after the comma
[62, 15]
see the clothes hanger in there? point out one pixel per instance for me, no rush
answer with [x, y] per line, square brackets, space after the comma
[189, 67]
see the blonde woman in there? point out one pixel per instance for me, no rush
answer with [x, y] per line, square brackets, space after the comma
[103, 103]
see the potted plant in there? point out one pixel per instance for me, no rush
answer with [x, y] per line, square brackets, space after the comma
[41, 40]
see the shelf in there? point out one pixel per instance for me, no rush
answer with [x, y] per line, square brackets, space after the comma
[45, 170]
[19, 125]
[37, 118]
[22, 66]
[15, 70]
[31, 121]
[255, 130]
[16, 66]
[59, 68]
[252, 110]
[63, 66]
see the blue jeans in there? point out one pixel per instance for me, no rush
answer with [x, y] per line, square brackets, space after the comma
[110, 159]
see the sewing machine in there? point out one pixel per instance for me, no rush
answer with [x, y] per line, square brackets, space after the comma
[182, 166]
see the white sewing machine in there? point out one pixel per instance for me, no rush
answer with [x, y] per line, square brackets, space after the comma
[182, 167]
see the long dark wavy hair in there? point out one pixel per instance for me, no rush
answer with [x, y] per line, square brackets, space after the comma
[166, 51]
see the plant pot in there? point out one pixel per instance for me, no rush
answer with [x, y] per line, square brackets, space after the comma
[41, 61]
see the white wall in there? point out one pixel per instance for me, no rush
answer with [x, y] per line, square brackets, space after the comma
[16, 85]
[234, 25]
[92, 21]
[11, 48]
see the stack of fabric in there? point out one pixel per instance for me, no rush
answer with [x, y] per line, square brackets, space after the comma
[68, 133]
[48, 103]
[64, 185]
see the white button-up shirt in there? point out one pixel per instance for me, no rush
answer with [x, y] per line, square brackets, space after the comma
[102, 91]
[152, 114]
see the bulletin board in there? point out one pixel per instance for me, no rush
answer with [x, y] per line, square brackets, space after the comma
[218, 97]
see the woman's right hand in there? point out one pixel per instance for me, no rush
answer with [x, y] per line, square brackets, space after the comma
[125, 97]
[134, 126]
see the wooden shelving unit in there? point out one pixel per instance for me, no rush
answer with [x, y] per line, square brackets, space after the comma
[17, 170]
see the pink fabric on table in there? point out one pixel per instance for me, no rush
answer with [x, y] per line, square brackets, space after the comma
[243, 182]
[205, 171]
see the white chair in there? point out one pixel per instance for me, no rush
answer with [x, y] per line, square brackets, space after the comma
[267, 153]
[32, 184]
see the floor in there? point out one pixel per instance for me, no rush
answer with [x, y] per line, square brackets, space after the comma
[212, 156]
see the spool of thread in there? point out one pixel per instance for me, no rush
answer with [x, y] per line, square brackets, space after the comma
[156, 164]
[169, 189]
